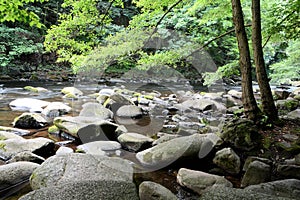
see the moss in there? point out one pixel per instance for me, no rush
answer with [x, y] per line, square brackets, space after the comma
[2, 146]
[149, 97]
[31, 89]
[2, 137]
[70, 96]
[291, 105]
[53, 129]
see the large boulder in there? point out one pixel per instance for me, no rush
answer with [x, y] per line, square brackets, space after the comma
[288, 188]
[71, 92]
[55, 109]
[134, 141]
[35, 89]
[153, 191]
[199, 181]
[30, 120]
[27, 104]
[13, 174]
[76, 167]
[228, 160]
[12, 146]
[129, 111]
[288, 170]
[99, 147]
[26, 156]
[88, 129]
[293, 115]
[88, 189]
[166, 153]
[203, 105]
[241, 134]
[14, 131]
[287, 105]
[221, 193]
[257, 172]
[95, 110]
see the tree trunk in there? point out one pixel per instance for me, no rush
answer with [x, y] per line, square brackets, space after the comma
[251, 110]
[268, 105]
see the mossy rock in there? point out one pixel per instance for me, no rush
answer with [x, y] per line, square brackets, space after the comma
[31, 89]
[241, 134]
[53, 129]
[288, 105]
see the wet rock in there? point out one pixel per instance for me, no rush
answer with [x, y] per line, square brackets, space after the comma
[281, 94]
[15, 173]
[106, 91]
[26, 156]
[296, 91]
[129, 111]
[102, 130]
[99, 147]
[199, 181]
[242, 134]
[228, 160]
[12, 146]
[257, 172]
[168, 152]
[287, 105]
[26, 104]
[134, 141]
[71, 92]
[289, 188]
[251, 159]
[55, 109]
[16, 131]
[153, 191]
[297, 159]
[115, 101]
[63, 151]
[76, 167]
[164, 137]
[235, 94]
[95, 110]
[88, 129]
[35, 89]
[190, 125]
[30, 120]
[293, 115]
[222, 193]
[88, 189]
[214, 96]
[203, 105]
[288, 171]
[101, 98]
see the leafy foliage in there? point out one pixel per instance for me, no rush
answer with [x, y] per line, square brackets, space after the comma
[15, 43]
[13, 10]
[288, 69]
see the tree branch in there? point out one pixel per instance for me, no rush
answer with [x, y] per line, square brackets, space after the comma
[286, 17]
[106, 14]
[214, 39]
[162, 18]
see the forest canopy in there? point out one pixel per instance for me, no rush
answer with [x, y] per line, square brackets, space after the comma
[117, 35]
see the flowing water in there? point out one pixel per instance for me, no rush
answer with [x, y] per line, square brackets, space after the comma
[12, 90]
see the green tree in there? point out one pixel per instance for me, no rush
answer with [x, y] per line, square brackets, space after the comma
[14, 10]
[268, 105]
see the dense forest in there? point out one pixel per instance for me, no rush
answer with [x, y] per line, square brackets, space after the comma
[113, 36]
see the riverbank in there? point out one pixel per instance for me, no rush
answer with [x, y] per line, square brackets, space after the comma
[169, 133]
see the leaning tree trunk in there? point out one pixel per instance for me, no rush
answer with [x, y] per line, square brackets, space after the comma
[267, 101]
[251, 110]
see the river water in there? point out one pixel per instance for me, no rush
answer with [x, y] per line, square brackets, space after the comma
[12, 90]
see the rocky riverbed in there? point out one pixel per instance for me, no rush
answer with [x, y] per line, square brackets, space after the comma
[135, 142]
